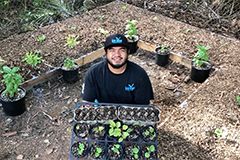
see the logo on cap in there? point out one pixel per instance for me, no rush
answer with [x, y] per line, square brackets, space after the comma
[117, 40]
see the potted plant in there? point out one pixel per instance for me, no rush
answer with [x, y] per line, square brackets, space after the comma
[12, 97]
[70, 70]
[132, 151]
[115, 151]
[149, 151]
[149, 133]
[97, 150]
[98, 131]
[132, 35]
[201, 66]
[80, 149]
[118, 131]
[81, 130]
[162, 55]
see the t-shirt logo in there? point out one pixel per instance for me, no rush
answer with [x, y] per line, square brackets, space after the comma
[117, 40]
[130, 87]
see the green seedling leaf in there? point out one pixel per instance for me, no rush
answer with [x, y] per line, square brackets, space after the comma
[32, 58]
[238, 100]
[218, 132]
[41, 38]
[124, 127]
[69, 63]
[71, 41]
[147, 155]
[81, 148]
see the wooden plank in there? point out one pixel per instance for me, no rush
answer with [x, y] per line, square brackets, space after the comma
[41, 79]
[90, 57]
[57, 71]
[173, 56]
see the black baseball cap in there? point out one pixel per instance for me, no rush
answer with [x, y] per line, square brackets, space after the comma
[116, 40]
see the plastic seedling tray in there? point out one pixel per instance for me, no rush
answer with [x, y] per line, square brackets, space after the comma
[106, 140]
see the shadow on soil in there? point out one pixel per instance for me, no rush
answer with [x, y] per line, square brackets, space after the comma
[174, 147]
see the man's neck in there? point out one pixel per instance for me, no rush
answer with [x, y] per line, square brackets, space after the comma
[117, 70]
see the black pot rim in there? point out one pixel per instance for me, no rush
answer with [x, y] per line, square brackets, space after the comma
[136, 38]
[75, 68]
[167, 52]
[207, 67]
[21, 88]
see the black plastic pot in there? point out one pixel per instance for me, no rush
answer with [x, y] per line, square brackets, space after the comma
[133, 47]
[74, 149]
[93, 148]
[199, 75]
[94, 134]
[13, 107]
[110, 152]
[161, 58]
[129, 154]
[152, 136]
[81, 130]
[153, 155]
[70, 76]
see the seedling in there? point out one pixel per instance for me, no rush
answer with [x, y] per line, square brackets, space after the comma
[69, 63]
[238, 100]
[163, 48]
[119, 131]
[41, 38]
[150, 149]
[116, 149]
[98, 152]
[12, 80]
[81, 148]
[218, 132]
[98, 129]
[32, 59]
[131, 29]
[135, 152]
[201, 56]
[150, 132]
[72, 41]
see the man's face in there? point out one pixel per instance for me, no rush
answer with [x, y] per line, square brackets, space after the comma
[117, 56]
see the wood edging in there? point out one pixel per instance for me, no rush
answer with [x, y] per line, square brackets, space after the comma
[90, 57]
[173, 56]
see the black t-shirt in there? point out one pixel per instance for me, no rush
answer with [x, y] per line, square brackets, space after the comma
[131, 87]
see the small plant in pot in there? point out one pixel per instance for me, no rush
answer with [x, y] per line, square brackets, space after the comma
[132, 35]
[118, 131]
[70, 70]
[81, 130]
[12, 97]
[201, 66]
[97, 151]
[115, 151]
[162, 55]
[80, 149]
[149, 152]
[135, 132]
[132, 152]
[98, 131]
[149, 133]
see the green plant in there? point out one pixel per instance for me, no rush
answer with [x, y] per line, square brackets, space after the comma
[98, 152]
[238, 100]
[131, 29]
[150, 149]
[71, 41]
[218, 132]
[32, 58]
[119, 131]
[163, 48]
[12, 80]
[81, 148]
[98, 129]
[41, 38]
[150, 132]
[69, 63]
[201, 56]
[135, 152]
[116, 148]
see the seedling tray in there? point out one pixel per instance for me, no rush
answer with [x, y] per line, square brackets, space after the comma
[116, 115]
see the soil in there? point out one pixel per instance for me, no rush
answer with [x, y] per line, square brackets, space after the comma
[190, 112]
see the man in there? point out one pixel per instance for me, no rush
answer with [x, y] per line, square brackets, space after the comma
[116, 79]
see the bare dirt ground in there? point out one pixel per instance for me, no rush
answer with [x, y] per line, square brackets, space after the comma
[186, 129]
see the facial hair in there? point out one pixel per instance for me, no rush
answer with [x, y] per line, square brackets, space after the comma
[116, 66]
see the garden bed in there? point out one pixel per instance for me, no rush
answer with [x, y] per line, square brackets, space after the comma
[44, 131]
